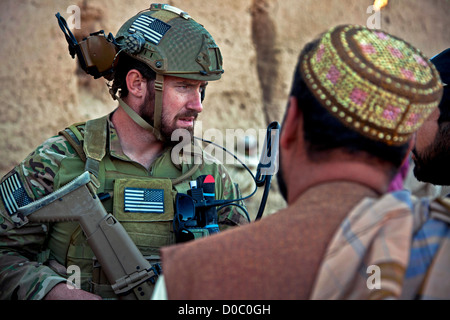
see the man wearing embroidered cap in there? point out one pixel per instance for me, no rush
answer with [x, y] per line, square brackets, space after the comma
[358, 96]
[160, 63]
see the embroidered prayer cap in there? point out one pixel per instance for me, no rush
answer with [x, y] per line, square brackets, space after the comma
[373, 82]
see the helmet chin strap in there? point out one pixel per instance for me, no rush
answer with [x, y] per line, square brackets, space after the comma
[156, 128]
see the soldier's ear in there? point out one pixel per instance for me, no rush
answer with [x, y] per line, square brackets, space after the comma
[136, 83]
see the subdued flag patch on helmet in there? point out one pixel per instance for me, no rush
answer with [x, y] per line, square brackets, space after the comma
[152, 29]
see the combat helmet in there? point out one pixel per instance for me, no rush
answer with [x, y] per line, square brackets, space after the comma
[171, 43]
[163, 37]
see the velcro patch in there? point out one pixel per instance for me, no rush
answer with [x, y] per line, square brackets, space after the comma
[144, 200]
[152, 29]
[13, 194]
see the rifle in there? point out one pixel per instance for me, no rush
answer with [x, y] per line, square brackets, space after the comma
[124, 265]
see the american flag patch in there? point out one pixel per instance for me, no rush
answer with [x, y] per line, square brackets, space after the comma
[152, 29]
[13, 194]
[144, 200]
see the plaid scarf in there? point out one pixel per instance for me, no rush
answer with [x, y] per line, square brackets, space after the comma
[395, 247]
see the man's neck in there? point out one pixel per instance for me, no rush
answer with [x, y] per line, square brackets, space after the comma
[137, 143]
[308, 174]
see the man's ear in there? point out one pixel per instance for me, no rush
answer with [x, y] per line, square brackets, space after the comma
[411, 146]
[292, 124]
[136, 83]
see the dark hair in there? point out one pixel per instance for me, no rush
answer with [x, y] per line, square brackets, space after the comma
[442, 63]
[127, 63]
[444, 106]
[323, 132]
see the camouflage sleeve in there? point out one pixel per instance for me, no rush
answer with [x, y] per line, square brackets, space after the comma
[22, 273]
[231, 215]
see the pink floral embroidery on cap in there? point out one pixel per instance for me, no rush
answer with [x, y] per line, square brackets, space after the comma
[420, 60]
[333, 74]
[408, 74]
[395, 52]
[368, 48]
[320, 52]
[391, 112]
[381, 35]
[412, 119]
[358, 96]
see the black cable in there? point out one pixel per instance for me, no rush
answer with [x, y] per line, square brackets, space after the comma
[242, 163]
[260, 179]
[237, 205]
[264, 198]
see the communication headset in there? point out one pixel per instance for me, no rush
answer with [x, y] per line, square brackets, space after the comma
[97, 54]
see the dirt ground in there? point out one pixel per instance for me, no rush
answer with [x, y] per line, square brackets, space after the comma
[42, 90]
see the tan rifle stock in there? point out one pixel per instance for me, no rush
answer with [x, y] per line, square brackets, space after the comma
[124, 265]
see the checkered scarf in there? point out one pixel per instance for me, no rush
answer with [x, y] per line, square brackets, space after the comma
[397, 247]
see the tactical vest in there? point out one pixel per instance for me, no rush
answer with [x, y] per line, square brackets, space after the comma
[149, 231]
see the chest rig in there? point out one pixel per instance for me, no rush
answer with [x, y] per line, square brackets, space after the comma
[122, 186]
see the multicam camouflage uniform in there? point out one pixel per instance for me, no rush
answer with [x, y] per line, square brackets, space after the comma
[33, 257]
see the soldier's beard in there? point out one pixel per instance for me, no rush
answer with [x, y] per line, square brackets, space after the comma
[168, 126]
[432, 164]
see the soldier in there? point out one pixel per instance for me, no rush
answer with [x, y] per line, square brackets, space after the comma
[163, 65]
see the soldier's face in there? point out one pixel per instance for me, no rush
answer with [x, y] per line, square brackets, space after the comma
[181, 104]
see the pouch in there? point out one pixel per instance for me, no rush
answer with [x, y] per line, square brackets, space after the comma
[145, 208]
